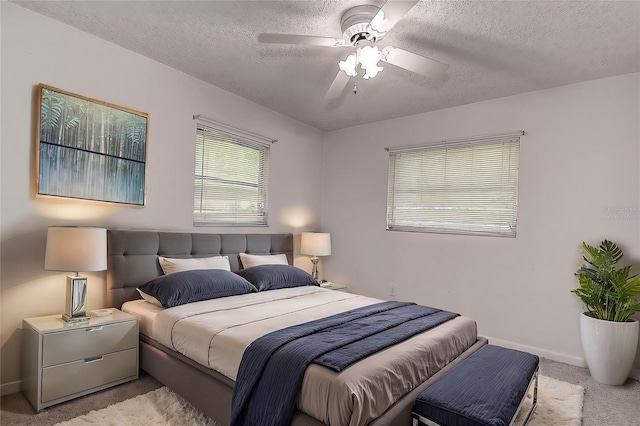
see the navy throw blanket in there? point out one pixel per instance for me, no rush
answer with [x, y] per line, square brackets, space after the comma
[273, 366]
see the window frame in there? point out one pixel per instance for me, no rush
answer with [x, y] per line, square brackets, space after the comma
[243, 140]
[451, 215]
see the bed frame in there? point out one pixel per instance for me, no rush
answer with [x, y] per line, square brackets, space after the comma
[132, 260]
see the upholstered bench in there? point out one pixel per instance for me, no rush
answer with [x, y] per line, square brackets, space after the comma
[486, 389]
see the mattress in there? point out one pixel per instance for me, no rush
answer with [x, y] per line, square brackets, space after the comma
[145, 312]
[216, 332]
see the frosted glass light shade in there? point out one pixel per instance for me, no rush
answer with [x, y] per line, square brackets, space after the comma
[315, 243]
[368, 58]
[349, 66]
[73, 249]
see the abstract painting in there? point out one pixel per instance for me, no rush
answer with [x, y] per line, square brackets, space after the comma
[89, 149]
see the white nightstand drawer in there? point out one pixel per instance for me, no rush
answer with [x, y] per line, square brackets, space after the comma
[66, 379]
[87, 342]
[62, 361]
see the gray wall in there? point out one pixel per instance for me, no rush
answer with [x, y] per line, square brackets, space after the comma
[36, 50]
[578, 164]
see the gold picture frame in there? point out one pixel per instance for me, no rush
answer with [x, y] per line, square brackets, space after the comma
[90, 149]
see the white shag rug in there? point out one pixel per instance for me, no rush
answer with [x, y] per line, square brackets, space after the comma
[158, 407]
[559, 403]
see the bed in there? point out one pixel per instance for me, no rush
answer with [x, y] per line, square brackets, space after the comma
[133, 261]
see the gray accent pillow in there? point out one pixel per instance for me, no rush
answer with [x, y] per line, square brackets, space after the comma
[272, 277]
[196, 285]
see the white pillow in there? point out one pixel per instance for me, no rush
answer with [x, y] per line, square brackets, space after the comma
[249, 260]
[171, 265]
[149, 298]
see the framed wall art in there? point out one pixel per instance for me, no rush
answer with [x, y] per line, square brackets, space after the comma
[89, 149]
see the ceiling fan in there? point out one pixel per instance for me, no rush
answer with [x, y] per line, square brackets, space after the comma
[362, 28]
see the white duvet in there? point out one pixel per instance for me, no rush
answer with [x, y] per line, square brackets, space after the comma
[216, 332]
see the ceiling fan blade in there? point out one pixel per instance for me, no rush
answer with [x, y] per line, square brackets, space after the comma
[390, 14]
[412, 62]
[301, 39]
[338, 85]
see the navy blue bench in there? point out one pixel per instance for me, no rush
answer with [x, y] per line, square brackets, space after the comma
[486, 389]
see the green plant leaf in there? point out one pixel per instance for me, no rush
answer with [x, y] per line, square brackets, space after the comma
[608, 293]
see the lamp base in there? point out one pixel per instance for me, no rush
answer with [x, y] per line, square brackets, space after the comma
[314, 271]
[75, 319]
[76, 305]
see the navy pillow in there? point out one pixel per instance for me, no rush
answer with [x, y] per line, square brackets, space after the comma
[196, 285]
[271, 277]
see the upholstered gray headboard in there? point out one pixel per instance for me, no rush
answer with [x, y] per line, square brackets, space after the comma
[132, 256]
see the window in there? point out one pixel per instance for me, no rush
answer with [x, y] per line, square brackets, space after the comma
[470, 187]
[231, 175]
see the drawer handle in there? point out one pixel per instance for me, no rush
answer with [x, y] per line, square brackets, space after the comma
[89, 330]
[93, 359]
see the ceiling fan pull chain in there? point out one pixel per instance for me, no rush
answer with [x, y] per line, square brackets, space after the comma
[355, 77]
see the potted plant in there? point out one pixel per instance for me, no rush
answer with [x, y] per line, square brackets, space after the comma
[610, 294]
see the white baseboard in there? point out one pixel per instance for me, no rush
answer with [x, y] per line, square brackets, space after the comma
[554, 356]
[9, 388]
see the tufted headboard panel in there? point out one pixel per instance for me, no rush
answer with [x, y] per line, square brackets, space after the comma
[132, 256]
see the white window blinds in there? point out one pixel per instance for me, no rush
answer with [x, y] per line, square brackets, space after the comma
[231, 175]
[465, 188]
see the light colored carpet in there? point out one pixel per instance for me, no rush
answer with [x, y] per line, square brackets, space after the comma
[559, 403]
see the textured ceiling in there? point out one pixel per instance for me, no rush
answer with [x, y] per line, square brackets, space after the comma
[494, 49]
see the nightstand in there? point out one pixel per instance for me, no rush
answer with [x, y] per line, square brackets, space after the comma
[337, 287]
[62, 361]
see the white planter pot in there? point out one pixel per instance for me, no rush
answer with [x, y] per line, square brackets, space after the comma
[609, 348]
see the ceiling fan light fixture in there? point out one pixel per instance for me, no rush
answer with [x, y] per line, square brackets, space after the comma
[369, 56]
[372, 72]
[349, 66]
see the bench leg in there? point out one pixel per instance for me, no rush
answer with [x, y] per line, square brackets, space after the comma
[418, 420]
[534, 403]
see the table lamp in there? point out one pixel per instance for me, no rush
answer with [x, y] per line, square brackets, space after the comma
[74, 249]
[315, 244]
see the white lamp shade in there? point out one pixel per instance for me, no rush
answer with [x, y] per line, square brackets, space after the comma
[73, 249]
[315, 243]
